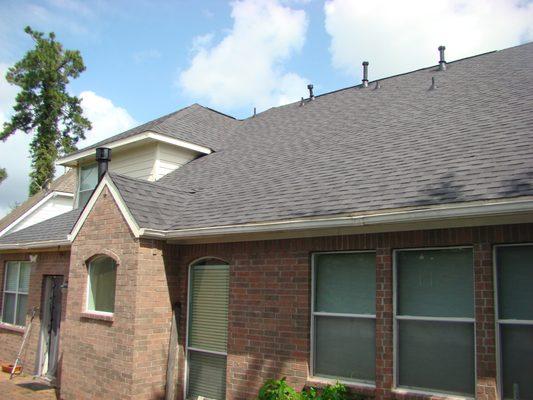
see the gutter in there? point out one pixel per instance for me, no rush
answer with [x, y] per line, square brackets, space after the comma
[433, 213]
[35, 245]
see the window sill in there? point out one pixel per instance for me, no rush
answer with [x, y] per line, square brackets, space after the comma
[317, 381]
[109, 317]
[405, 393]
[12, 328]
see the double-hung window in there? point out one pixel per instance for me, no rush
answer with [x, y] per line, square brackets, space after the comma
[514, 316]
[434, 320]
[343, 316]
[88, 178]
[16, 287]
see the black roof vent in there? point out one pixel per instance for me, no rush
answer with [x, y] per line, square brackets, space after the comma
[365, 73]
[103, 156]
[442, 62]
[311, 95]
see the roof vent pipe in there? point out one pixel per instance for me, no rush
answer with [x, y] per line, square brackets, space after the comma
[103, 156]
[433, 83]
[442, 62]
[311, 95]
[365, 73]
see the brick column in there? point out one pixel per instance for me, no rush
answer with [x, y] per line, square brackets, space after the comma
[384, 321]
[485, 330]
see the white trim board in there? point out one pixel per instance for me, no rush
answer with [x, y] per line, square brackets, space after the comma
[73, 159]
[34, 208]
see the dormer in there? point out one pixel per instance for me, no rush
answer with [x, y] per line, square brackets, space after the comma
[147, 155]
[154, 149]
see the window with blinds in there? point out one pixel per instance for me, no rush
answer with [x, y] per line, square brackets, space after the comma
[208, 330]
[343, 316]
[16, 287]
[101, 284]
[434, 320]
[514, 317]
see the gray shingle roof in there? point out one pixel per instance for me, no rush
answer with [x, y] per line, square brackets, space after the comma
[354, 150]
[53, 229]
[195, 124]
[361, 149]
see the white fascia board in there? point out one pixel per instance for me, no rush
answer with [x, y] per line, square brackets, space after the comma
[34, 208]
[35, 245]
[451, 211]
[71, 160]
[105, 182]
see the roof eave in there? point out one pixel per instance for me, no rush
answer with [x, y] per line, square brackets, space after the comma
[494, 208]
[35, 245]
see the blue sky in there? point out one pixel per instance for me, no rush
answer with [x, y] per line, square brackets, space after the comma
[148, 58]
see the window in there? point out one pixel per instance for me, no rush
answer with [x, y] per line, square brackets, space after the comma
[434, 320]
[514, 316]
[16, 286]
[101, 285]
[207, 329]
[88, 179]
[343, 316]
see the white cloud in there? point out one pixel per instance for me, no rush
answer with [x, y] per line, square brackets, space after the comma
[245, 68]
[107, 119]
[399, 36]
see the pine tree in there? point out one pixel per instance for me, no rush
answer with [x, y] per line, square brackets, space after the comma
[44, 107]
[3, 174]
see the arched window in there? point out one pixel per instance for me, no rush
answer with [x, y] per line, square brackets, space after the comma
[207, 335]
[102, 271]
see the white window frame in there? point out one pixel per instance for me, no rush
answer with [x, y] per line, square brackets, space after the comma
[88, 288]
[16, 293]
[79, 191]
[498, 322]
[396, 318]
[314, 314]
[192, 265]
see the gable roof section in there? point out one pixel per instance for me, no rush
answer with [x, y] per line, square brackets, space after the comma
[66, 183]
[52, 232]
[195, 125]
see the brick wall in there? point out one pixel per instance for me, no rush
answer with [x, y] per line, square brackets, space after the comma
[98, 354]
[48, 263]
[269, 317]
[126, 357]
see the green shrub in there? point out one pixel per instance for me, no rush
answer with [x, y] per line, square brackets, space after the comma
[280, 390]
[277, 390]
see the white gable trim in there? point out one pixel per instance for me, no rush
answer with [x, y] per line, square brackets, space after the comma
[35, 207]
[105, 182]
[71, 160]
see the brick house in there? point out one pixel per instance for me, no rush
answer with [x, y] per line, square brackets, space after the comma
[380, 235]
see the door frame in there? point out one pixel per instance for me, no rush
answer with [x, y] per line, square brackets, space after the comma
[46, 315]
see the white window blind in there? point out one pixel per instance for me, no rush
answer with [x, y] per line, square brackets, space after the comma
[343, 316]
[434, 320]
[207, 330]
[514, 316]
[101, 285]
[16, 288]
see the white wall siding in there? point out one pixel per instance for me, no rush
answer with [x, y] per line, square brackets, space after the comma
[170, 158]
[138, 162]
[51, 208]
